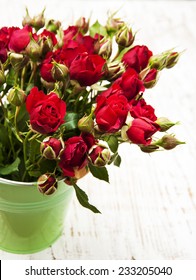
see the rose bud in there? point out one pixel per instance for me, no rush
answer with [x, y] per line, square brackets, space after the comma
[99, 155]
[150, 78]
[18, 61]
[114, 24]
[46, 45]
[59, 71]
[114, 70]
[51, 148]
[125, 37]
[172, 59]
[164, 123]
[47, 184]
[82, 24]
[33, 50]
[16, 96]
[53, 25]
[106, 49]
[168, 142]
[158, 61]
[86, 124]
[37, 22]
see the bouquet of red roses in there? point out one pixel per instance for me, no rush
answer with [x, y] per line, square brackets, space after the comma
[67, 100]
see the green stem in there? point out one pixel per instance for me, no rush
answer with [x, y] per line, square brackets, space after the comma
[25, 148]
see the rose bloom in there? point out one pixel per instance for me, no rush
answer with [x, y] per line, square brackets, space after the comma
[141, 130]
[137, 58]
[111, 112]
[130, 84]
[87, 69]
[47, 112]
[139, 108]
[74, 156]
[20, 39]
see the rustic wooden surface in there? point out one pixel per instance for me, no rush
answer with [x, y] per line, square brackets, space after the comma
[149, 207]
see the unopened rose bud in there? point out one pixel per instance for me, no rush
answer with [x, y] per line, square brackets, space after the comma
[46, 46]
[149, 148]
[164, 123]
[53, 25]
[172, 59]
[51, 148]
[59, 71]
[168, 142]
[47, 184]
[125, 37]
[33, 50]
[82, 24]
[114, 24]
[99, 155]
[86, 124]
[114, 70]
[105, 49]
[18, 60]
[16, 96]
[37, 22]
[157, 61]
[150, 79]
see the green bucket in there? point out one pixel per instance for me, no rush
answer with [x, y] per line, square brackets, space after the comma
[29, 220]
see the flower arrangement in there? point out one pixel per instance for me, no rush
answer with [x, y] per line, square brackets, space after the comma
[69, 97]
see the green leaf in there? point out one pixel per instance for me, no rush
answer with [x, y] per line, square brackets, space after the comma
[100, 173]
[71, 121]
[83, 199]
[112, 142]
[10, 168]
[117, 161]
[10, 78]
[98, 28]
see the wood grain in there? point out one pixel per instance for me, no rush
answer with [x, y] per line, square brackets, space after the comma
[149, 207]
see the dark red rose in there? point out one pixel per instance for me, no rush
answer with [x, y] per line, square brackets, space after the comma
[74, 156]
[111, 112]
[141, 131]
[5, 33]
[89, 139]
[87, 69]
[20, 39]
[130, 84]
[137, 58]
[139, 108]
[47, 112]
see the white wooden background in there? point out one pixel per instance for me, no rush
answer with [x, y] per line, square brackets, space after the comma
[149, 208]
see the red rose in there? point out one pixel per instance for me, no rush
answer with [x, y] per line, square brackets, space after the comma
[20, 39]
[70, 33]
[47, 112]
[130, 84]
[141, 130]
[111, 112]
[139, 108]
[87, 69]
[74, 156]
[137, 58]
